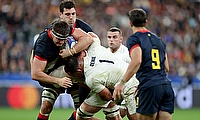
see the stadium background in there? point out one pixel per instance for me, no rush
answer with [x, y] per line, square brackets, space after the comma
[176, 21]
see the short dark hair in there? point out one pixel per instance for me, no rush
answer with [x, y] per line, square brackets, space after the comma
[61, 29]
[71, 64]
[114, 29]
[68, 4]
[137, 17]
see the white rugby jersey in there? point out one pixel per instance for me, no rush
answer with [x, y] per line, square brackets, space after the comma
[122, 53]
[102, 69]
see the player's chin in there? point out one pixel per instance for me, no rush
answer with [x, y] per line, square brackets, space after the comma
[59, 44]
[71, 23]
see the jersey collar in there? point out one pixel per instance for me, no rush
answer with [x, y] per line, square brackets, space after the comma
[143, 31]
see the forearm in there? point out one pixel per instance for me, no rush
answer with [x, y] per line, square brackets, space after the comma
[166, 64]
[43, 77]
[132, 69]
[82, 44]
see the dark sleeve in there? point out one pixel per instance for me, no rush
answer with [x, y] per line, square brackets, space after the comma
[44, 48]
[131, 41]
[83, 25]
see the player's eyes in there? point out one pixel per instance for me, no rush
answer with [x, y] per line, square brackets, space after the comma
[68, 14]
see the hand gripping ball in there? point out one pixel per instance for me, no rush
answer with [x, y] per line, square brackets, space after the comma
[70, 42]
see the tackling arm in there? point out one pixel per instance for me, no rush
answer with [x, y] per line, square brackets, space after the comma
[84, 41]
[37, 73]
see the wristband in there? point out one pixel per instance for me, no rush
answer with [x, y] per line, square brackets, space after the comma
[70, 52]
[74, 50]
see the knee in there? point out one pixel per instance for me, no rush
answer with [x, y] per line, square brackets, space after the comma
[46, 107]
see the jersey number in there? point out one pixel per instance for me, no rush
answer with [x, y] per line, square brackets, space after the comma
[155, 59]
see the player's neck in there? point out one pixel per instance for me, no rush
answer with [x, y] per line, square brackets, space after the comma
[135, 29]
[114, 50]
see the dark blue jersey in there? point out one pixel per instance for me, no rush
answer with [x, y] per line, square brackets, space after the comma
[152, 69]
[46, 49]
[78, 24]
[83, 25]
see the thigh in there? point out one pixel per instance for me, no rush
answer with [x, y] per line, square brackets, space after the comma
[167, 103]
[148, 100]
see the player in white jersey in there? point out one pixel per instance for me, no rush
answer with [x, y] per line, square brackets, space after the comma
[102, 71]
[115, 46]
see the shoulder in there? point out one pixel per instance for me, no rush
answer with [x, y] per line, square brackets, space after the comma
[83, 25]
[134, 38]
[43, 43]
[123, 47]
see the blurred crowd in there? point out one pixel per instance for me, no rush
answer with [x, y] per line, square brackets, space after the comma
[176, 21]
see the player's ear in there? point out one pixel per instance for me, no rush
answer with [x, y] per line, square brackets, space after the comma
[82, 54]
[60, 14]
[146, 22]
[131, 24]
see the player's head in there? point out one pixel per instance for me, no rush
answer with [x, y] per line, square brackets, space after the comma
[67, 11]
[137, 17]
[114, 37]
[60, 31]
[74, 67]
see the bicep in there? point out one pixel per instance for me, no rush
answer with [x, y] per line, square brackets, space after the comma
[38, 65]
[78, 33]
[136, 54]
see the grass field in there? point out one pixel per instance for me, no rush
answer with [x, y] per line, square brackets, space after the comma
[63, 114]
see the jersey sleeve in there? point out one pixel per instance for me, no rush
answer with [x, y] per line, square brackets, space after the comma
[94, 83]
[132, 41]
[44, 49]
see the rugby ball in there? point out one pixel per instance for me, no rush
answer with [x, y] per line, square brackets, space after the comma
[70, 42]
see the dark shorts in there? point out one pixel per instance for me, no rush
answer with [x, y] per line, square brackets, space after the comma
[154, 99]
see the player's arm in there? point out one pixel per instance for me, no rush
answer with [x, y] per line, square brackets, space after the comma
[136, 60]
[37, 73]
[31, 58]
[84, 41]
[166, 64]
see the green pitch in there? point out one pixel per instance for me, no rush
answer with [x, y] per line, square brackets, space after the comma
[63, 114]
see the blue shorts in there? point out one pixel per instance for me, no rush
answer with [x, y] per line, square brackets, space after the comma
[154, 99]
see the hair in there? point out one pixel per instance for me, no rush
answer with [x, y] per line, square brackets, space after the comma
[71, 64]
[137, 17]
[61, 28]
[115, 29]
[68, 4]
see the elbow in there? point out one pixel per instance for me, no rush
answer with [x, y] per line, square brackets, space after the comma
[166, 70]
[138, 62]
[90, 40]
[34, 76]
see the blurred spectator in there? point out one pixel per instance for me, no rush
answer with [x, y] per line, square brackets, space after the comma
[177, 22]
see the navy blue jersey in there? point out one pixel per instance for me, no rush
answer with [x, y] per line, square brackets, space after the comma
[45, 48]
[78, 24]
[83, 25]
[152, 69]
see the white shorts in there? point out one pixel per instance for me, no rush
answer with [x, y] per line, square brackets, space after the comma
[129, 97]
[95, 100]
